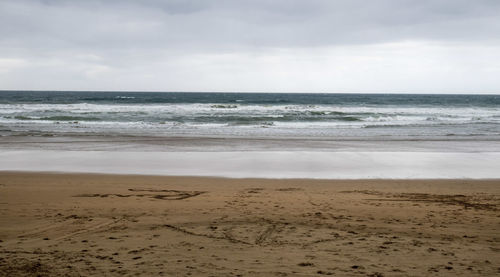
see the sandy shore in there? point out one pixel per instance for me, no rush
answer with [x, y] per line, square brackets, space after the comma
[115, 225]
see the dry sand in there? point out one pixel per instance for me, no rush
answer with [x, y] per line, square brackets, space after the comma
[115, 225]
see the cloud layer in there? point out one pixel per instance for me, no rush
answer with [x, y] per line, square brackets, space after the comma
[283, 45]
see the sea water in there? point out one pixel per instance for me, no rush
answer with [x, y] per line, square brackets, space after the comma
[269, 135]
[251, 115]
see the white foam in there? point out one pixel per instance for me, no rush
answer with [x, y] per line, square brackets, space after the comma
[444, 112]
[327, 165]
[177, 119]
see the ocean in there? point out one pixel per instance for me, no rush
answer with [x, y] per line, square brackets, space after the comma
[250, 115]
[248, 135]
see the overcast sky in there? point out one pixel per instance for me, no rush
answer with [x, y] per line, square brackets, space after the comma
[414, 46]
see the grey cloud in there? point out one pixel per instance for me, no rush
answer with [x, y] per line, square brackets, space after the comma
[234, 24]
[256, 44]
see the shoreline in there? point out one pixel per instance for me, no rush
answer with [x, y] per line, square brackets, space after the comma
[270, 179]
[168, 143]
[115, 225]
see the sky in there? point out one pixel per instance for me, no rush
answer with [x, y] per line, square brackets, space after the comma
[337, 46]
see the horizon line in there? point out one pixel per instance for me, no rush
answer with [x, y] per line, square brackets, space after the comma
[249, 92]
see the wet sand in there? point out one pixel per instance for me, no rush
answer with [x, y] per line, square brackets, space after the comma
[119, 225]
[261, 164]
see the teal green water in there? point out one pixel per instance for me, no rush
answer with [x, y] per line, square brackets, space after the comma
[250, 114]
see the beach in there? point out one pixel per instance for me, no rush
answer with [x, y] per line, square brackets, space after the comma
[229, 184]
[249, 138]
[116, 225]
